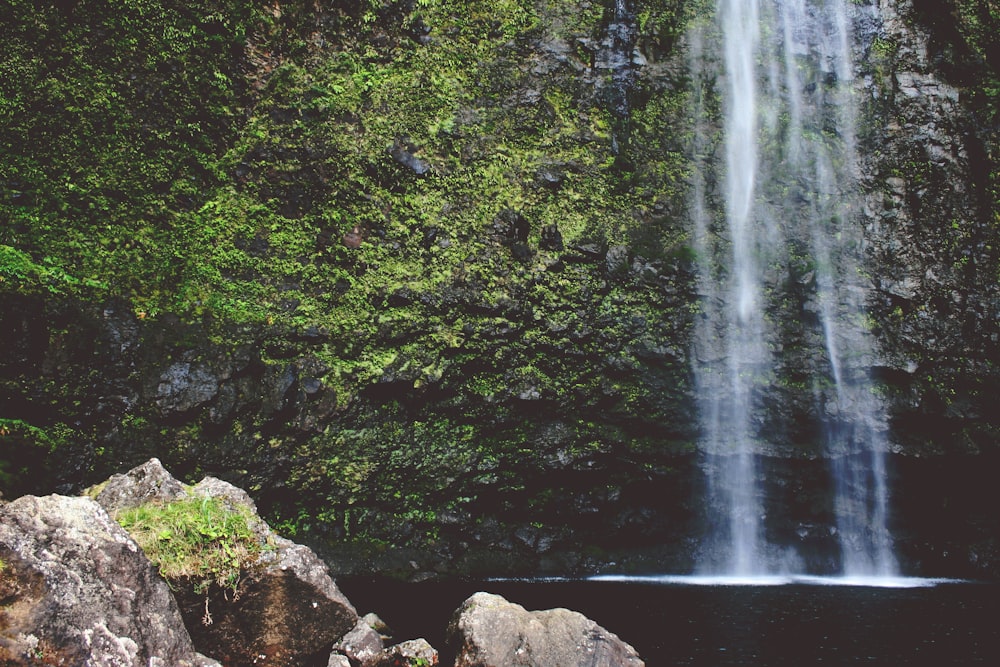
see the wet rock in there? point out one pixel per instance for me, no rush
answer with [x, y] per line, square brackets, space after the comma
[511, 227]
[551, 238]
[279, 383]
[79, 591]
[489, 631]
[353, 238]
[550, 176]
[616, 260]
[402, 153]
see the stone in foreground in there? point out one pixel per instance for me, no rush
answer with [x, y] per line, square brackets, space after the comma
[411, 653]
[77, 590]
[363, 645]
[489, 631]
[287, 610]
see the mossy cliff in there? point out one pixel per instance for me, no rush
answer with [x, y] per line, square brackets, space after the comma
[415, 273]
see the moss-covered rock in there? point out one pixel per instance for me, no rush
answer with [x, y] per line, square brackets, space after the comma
[418, 273]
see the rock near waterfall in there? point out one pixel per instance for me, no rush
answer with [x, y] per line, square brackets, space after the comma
[288, 611]
[489, 631]
[75, 589]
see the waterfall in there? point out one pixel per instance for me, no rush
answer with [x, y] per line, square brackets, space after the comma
[784, 212]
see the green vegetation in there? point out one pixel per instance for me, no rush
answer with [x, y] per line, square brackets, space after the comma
[197, 541]
[431, 186]
[113, 112]
[977, 69]
[408, 204]
[208, 159]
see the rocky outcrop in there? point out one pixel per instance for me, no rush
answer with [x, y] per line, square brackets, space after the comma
[489, 631]
[149, 482]
[290, 612]
[286, 610]
[363, 645]
[76, 590]
[930, 214]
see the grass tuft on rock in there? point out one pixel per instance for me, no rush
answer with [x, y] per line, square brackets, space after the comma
[199, 540]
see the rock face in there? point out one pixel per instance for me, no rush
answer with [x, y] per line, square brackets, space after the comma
[513, 397]
[286, 611]
[931, 216]
[76, 590]
[489, 631]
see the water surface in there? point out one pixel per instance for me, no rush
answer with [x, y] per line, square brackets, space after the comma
[694, 623]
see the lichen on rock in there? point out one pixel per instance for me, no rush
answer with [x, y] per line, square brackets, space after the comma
[77, 590]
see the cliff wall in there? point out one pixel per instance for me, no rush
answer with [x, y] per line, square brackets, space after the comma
[418, 275]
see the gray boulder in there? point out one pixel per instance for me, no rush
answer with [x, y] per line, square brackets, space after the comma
[286, 610]
[489, 631]
[77, 590]
[142, 484]
[412, 653]
[373, 621]
[362, 645]
[233, 496]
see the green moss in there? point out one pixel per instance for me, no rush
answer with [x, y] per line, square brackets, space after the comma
[238, 174]
[197, 541]
[93, 491]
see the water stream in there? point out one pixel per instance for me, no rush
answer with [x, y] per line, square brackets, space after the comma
[779, 246]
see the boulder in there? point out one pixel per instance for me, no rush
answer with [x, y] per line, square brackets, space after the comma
[146, 483]
[412, 653]
[489, 631]
[362, 645]
[77, 590]
[233, 496]
[373, 621]
[286, 610]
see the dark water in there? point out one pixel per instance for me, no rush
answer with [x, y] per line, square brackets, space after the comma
[677, 624]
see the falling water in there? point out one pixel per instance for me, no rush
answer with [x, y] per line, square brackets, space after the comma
[788, 201]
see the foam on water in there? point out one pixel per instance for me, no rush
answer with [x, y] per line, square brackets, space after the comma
[775, 580]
